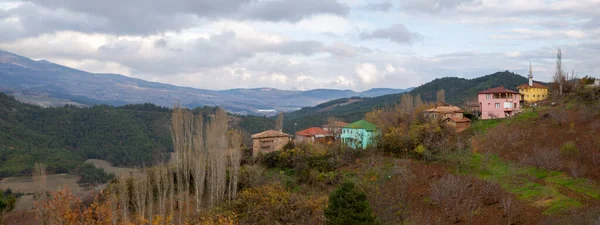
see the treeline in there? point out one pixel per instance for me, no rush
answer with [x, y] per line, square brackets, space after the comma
[457, 91]
[64, 137]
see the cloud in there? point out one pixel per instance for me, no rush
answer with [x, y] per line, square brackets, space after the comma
[397, 33]
[279, 78]
[381, 6]
[343, 49]
[151, 17]
[524, 33]
[367, 73]
[435, 6]
[291, 10]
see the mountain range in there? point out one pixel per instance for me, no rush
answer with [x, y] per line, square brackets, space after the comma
[48, 84]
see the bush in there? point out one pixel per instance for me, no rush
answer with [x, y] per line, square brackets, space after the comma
[7, 203]
[273, 204]
[89, 174]
[348, 205]
[569, 149]
[251, 176]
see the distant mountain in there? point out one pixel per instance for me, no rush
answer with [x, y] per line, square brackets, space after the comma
[352, 109]
[48, 84]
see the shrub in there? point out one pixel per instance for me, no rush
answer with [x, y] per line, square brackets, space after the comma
[569, 149]
[273, 204]
[348, 205]
[251, 176]
[89, 174]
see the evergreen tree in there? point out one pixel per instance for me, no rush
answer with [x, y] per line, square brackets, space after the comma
[348, 205]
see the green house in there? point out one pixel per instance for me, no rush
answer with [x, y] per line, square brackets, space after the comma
[360, 134]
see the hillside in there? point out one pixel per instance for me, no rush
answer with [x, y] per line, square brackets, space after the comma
[62, 138]
[351, 109]
[48, 84]
[457, 89]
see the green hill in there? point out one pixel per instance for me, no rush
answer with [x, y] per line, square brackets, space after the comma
[64, 137]
[352, 109]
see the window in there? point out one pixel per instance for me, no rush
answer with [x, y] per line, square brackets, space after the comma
[488, 96]
[497, 105]
[515, 105]
[528, 96]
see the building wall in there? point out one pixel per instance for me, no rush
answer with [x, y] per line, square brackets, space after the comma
[305, 139]
[335, 130]
[266, 145]
[489, 110]
[532, 94]
[358, 138]
[462, 126]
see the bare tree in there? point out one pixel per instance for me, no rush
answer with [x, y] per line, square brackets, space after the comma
[279, 122]
[140, 189]
[509, 207]
[235, 156]
[441, 96]
[559, 74]
[418, 101]
[407, 104]
[41, 196]
[199, 161]
[216, 144]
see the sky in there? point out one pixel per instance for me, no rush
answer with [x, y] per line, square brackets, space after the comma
[307, 44]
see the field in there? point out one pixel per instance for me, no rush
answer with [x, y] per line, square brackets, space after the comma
[109, 168]
[56, 182]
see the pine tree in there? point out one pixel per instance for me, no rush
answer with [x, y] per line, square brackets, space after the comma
[348, 205]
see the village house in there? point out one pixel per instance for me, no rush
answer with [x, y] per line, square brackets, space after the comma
[533, 92]
[335, 127]
[314, 134]
[452, 115]
[498, 102]
[269, 141]
[360, 134]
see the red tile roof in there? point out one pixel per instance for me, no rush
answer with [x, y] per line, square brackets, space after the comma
[313, 131]
[535, 85]
[269, 134]
[497, 90]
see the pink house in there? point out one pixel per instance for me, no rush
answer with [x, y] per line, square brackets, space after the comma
[498, 102]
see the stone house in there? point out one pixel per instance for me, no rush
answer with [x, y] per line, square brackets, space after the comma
[452, 115]
[269, 141]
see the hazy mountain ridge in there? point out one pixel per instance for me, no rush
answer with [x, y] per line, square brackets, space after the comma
[42, 79]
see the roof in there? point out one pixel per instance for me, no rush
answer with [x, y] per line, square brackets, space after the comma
[497, 90]
[336, 124]
[535, 85]
[445, 109]
[362, 124]
[269, 134]
[459, 120]
[312, 131]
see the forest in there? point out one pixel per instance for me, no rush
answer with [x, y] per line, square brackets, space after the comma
[64, 137]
